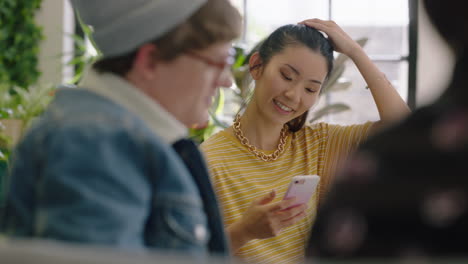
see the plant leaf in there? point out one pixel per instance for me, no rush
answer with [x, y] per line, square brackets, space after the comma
[334, 76]
[339, 86]
[329, 109]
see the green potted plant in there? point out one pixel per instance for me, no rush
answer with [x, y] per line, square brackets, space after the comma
[83, 57]
[20, 37]
[18, 109]
[18, 59]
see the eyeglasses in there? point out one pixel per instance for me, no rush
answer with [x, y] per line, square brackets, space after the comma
[222, 66]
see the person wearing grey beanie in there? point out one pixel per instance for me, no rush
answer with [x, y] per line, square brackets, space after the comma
[109, 163]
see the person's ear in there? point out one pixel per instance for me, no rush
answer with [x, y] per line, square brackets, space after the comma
[255, 66]
[145, 61]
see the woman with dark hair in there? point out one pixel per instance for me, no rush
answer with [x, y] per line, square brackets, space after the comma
[268, 144]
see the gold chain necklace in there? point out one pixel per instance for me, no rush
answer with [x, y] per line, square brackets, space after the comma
[244, 141]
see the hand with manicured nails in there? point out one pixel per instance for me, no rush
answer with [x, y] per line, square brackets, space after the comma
[264, 219]
[340, 40]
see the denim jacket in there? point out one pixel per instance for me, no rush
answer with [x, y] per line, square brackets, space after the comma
[95, 173]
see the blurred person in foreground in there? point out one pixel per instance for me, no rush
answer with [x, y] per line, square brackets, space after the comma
[405, 192]
[109, 163]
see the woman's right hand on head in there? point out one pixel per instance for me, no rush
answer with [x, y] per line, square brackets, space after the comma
[340, 40]
[264, 219]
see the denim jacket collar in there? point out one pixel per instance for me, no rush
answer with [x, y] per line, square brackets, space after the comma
[117, 89]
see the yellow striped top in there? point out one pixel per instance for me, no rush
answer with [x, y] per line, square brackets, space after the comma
[239, 177]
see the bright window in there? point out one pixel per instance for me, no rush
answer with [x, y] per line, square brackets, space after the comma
[384, 23]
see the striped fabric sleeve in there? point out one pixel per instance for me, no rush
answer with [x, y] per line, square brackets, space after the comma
[342, 141]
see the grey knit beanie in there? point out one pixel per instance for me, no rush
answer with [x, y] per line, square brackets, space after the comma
[120, 26]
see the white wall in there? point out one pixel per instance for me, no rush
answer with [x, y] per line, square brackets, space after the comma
[56, 19]
[435, 61]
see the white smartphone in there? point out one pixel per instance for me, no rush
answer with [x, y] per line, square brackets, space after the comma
[302, 187]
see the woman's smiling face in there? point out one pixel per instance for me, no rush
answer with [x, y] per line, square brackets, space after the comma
[289, 84]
